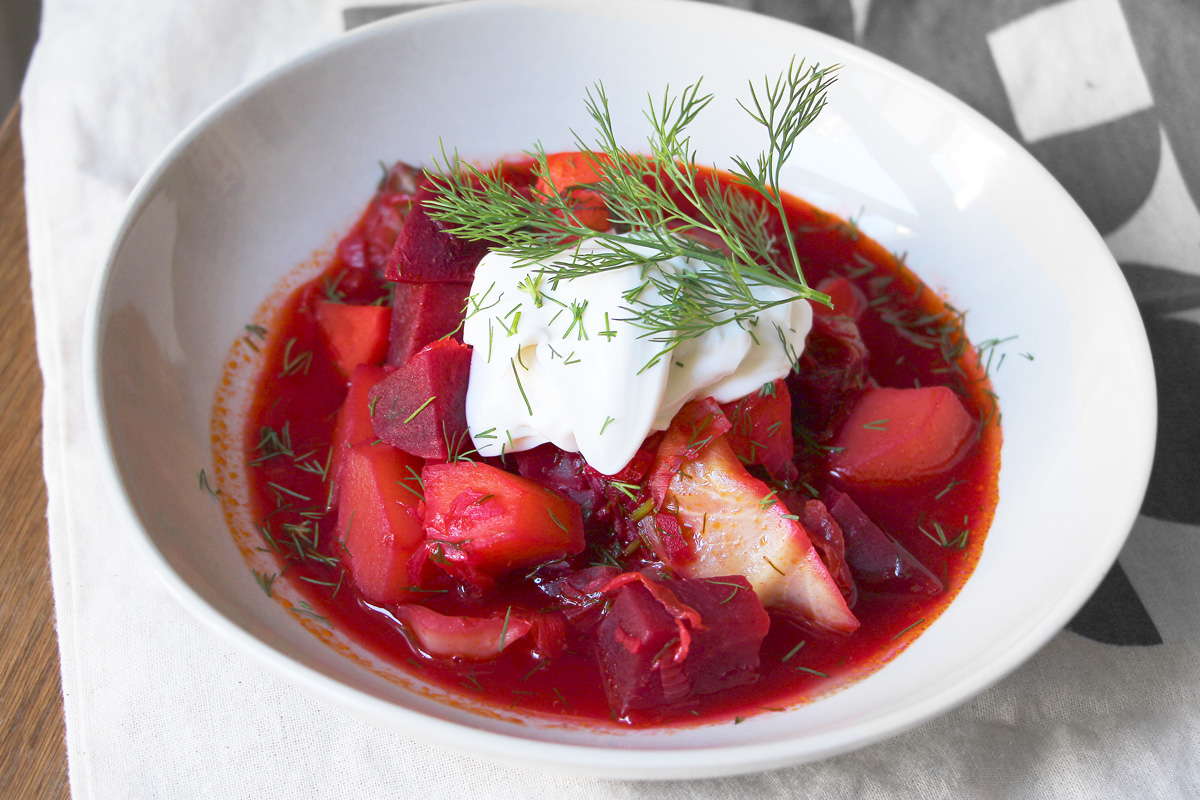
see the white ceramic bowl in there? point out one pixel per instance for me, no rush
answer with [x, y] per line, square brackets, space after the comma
[273, 172]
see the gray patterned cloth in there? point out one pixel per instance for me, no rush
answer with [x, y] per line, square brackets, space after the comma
[1102, 92]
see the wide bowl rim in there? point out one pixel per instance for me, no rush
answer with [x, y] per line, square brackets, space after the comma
[598, 761]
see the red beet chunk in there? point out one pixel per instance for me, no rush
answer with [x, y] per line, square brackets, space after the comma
[878, 562]
[826, 536]
[565, 473]
[725, 653]
[762, 430]
[353, 424]
[422, 313]
[356, 334]
[833, 368]
[481, 520]
[637, 640]
[584, 587]
[581, 594]
[663, 644]
[371, 242]
[421, 407]
[425, 251]
[895, 436]
[378, 523]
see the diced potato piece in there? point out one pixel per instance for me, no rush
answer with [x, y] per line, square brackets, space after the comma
[353, 423]
[895, 436]
[378, 523]
[570, 170]
[356, 334]
[493, 521]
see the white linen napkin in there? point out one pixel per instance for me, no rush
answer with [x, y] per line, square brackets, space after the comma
[157, 706]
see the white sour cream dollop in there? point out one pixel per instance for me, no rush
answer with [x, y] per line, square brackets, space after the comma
[576, 375]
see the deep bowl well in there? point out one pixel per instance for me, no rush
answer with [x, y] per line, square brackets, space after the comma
[271, 174]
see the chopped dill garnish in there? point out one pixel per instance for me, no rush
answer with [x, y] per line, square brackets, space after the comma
[949, 486]
[420, 408]
[608, 332]
[277, 490]
[517, 378]
[455, 445]
[272, 443]
[305, 610]
[737, 587]
[332, 292]
[205, 487]
[768, 501]
[511, 331]
[311, 465]
[264, 581]
[909, 628]
[577, 310]
[536, 668]
[504, 630]
[630, 490]
[265, 532]
[940, 538]
[294, 364]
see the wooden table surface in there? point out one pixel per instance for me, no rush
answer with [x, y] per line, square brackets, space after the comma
[33, 760]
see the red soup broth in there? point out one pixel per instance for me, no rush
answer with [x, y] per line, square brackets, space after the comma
[914, 337]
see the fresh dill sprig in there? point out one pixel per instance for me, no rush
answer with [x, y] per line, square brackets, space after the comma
[264, 580]
[649, 198]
